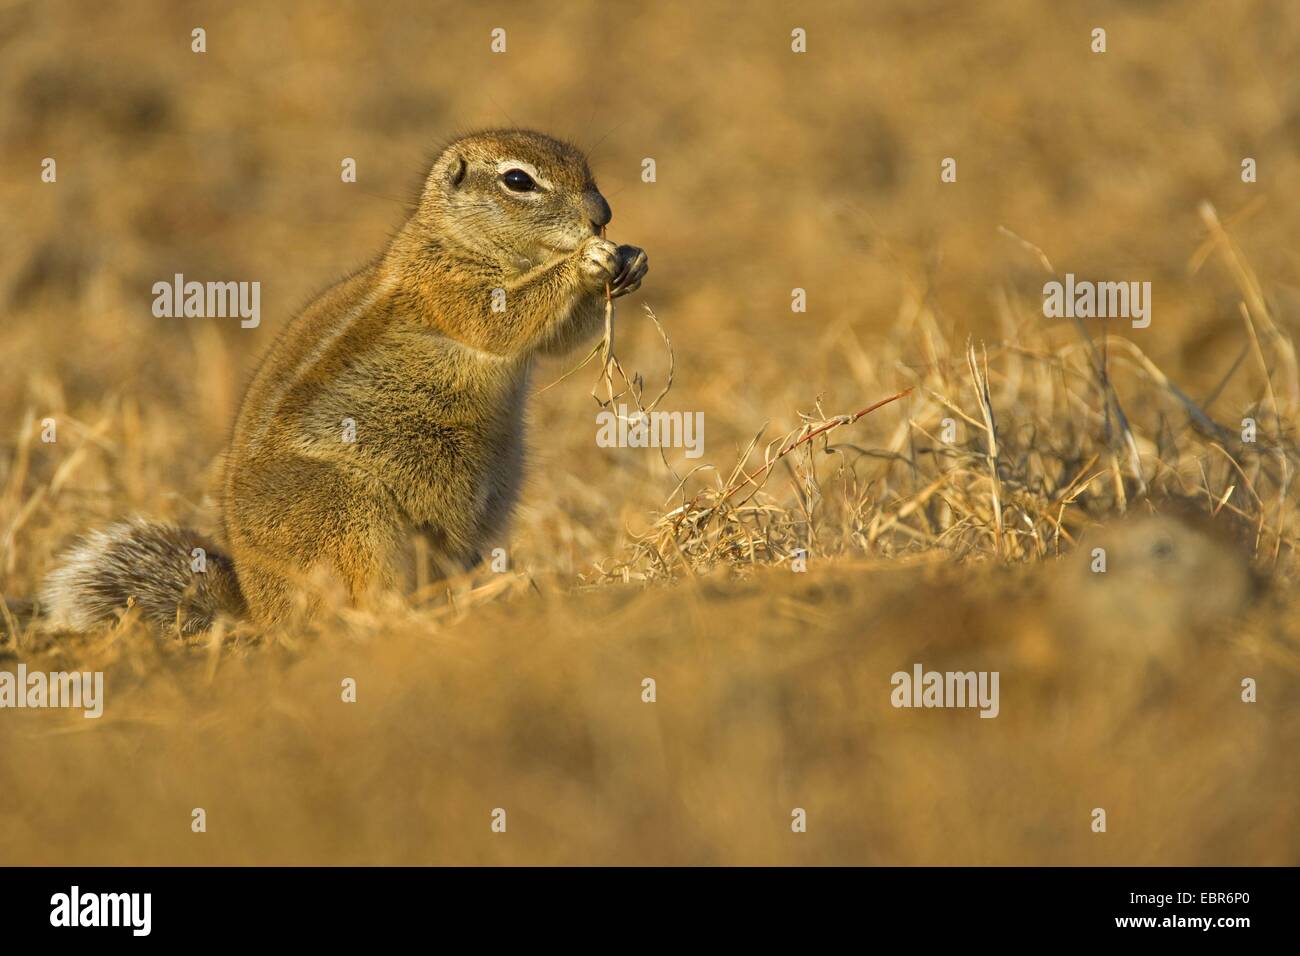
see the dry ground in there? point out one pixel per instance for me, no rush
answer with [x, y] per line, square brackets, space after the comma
[523, 690]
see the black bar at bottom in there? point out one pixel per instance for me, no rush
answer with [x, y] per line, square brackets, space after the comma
[336, 905]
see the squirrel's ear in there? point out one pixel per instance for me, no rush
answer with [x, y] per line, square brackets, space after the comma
[456, 167]
[448, 172]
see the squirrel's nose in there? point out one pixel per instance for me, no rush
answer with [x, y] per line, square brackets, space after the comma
[593, 203]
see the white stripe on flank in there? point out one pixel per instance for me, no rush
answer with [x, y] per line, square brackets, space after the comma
[322, 349]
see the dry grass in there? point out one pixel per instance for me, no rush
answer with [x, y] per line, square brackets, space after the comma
[1048, 448]
[523, 690]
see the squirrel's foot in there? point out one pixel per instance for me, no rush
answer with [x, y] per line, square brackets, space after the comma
[620, 267]
[632, 267]
[598, 262]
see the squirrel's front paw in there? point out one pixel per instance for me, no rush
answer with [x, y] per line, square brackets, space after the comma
[632, 267]
[620, 267]
[599, 262]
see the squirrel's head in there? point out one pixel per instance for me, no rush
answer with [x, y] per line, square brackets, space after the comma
[516, 196]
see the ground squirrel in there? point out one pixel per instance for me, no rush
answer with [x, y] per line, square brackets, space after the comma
[424, 355]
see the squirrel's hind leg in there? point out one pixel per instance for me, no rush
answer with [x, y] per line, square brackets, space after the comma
[316, 527]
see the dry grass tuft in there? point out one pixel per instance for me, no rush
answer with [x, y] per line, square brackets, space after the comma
[1052, 431]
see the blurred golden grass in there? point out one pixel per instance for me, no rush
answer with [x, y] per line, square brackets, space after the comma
[772, 694]
[523, 690]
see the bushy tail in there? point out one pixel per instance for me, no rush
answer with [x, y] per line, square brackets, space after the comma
[174, 575]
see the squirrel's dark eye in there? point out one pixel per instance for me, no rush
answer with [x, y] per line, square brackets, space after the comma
[517, 180]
